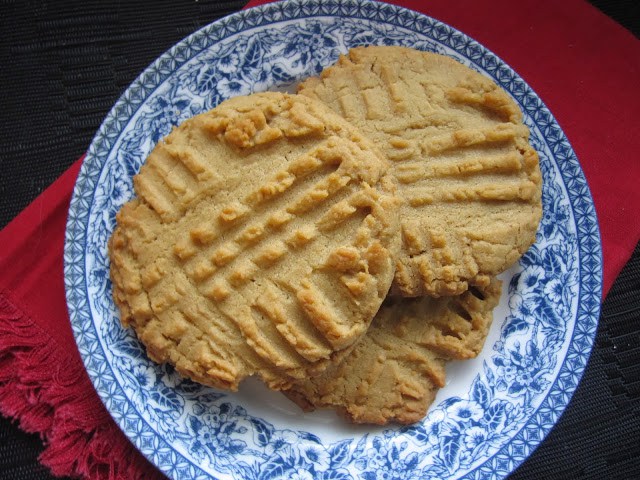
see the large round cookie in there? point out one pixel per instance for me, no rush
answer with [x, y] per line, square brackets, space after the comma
[460, 153]
[261, 242]
[395, 371]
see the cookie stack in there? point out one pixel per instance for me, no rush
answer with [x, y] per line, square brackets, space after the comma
[342, 243]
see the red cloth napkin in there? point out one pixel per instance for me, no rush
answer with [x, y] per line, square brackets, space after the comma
[583, 65]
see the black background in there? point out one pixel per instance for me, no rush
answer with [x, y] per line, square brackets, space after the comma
[63, 65]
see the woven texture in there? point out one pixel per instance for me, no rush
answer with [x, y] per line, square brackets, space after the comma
[66, 63]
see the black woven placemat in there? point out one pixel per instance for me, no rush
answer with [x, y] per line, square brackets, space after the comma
[64, 64]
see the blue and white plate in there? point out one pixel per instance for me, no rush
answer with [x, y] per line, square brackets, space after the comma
[495, 409]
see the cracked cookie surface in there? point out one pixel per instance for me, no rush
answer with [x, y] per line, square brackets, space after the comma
[395, 371]
[460, 153]
[261, 241]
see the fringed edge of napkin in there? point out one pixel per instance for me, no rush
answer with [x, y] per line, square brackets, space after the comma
[50, 394]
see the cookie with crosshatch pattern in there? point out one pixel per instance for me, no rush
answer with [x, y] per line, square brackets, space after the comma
[261, 241]
[460, 152]
[395, 371]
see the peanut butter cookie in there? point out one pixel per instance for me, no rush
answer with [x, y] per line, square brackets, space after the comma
[460, 152]
[395, 371]
[261, 242]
